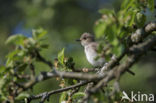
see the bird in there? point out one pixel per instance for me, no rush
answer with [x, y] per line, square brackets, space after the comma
[90, 48]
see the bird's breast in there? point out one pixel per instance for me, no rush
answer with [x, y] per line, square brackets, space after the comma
[91, 56]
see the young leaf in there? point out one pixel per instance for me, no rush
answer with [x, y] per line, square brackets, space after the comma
[140, 19]
[99, 29]
[106, 11]
[61, 56]
[12, 54]
[2, 68]
[38, 33]
[15, 39]
[151, 5]
[22, 96]
[131, 22]
[127, 4]
[63, 97]
[78, 95]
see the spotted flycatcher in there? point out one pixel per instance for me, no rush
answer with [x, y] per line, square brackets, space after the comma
[90, 48]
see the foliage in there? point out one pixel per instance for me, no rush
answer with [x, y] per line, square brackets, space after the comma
[114, 26]
[22, 58]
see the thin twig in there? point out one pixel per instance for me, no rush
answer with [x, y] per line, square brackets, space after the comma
[47, 94]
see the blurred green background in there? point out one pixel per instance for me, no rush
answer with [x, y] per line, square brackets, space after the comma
[65, 21]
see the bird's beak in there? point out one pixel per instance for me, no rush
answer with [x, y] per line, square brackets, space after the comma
[78, 40]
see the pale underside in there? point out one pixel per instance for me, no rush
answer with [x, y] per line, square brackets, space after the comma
[91, 55]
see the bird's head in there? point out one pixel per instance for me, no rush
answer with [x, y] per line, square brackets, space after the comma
[86, 38]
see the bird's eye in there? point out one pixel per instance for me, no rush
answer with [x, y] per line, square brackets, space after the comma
[84, 38]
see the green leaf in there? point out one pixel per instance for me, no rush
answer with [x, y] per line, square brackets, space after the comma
[9, 62]
[61, 56]
[2, 82]
[111, 32]
[151, 5]
[38, 33]
[78, 95]
[99, 29]
[22, 96]
[3, 98]
[12, 54]
[140, 19]
[16, 39]
[131, 22]
[126, 4]
[106, 11]
[117, 50]
[63, 97]
[2, 69]
[100, 48]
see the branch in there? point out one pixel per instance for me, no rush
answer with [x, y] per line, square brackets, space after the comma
[137, 51]
[113, 67]
[43, 76]
[142, 33]
[134, 38]
[71, 75]
[46, 95]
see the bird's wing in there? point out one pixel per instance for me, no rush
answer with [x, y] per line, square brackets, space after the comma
[95, 46]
